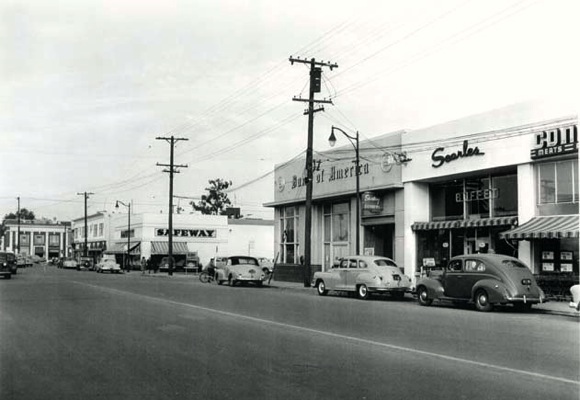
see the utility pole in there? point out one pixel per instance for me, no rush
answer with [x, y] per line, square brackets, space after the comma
[18, 238]
[86, 196]
[315, 79]
[172, 169]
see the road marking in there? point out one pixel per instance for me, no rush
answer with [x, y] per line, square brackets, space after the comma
[340, 336]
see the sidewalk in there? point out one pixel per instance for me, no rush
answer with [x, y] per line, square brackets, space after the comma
[550, 307]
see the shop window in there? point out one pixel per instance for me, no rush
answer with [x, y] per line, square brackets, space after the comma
[505, 197]
[39, 239]
[558, 182]
[289, 227]
[336, 231]
[446, 202]
[477, 195]
[54, 240]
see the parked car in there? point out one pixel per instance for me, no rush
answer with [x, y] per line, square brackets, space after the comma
[69, 263]
[20, 261]
[266, 264]
[87, 263]
[7, 264]
[575, 303]
[164, 264]
[363, 275]
[240, 269]
[483, 279]
[108, 264]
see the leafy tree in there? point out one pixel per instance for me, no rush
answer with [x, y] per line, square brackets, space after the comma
[216, 201]
[24, 214]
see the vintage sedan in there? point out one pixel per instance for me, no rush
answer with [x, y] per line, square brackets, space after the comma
[7, 264]
[363, 275]
[108, 264]
[483, 279]
[242, 269]
[69, 263]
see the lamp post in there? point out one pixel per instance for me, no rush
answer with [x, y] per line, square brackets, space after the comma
[128, 231]
[354, 141]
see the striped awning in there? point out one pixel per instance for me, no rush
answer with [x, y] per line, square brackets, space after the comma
[163, 248]
[464, 223]
[121, 248]
[551, 227]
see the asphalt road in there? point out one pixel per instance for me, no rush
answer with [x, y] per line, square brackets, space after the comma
[81, 335]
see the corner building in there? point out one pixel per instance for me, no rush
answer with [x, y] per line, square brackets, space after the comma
[505, 181]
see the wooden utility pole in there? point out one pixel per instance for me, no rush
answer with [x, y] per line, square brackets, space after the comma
[172, 169]
[315, 79]
[86, 196]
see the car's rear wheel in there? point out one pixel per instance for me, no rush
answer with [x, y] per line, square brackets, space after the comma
[482, 301]
[321, 288]
[362, 291]
[423, 296]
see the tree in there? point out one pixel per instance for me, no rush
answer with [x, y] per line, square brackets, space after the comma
[24, 214]
[216, 201]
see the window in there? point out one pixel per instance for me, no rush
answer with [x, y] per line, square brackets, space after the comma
[558, 182]
[54, 240]
[289, 220]
[336, 231]
[454, 266]
[474, 266]
[39, 239]
[101, 226]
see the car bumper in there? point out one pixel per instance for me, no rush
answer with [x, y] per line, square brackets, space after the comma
[382, 289]
[525, 300]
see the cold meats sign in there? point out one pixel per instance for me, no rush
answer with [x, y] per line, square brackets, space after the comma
[440, 157]
[195, 233]
[555, 142]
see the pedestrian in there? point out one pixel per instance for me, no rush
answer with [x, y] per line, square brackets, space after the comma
[149, 265]
[143, 265]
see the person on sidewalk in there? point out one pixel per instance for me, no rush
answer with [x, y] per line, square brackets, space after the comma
[143, 265]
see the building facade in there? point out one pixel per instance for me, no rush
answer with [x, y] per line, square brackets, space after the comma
[334, 199]
[504, 181]
[147, 235]
[44, 238]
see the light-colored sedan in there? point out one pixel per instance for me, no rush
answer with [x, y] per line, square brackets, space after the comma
[108, 264]
[363, 275]
[240, 269]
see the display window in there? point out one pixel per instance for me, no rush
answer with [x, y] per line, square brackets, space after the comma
[558, 182]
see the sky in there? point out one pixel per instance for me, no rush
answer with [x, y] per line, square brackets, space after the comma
[88, 87]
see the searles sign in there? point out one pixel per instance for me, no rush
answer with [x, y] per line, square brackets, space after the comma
[439, 158]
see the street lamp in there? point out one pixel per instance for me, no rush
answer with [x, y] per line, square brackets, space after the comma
[354, 141]
[128, 230]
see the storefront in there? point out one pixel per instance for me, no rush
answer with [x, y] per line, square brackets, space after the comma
[473, 187]
[44, 238]
[334, 203]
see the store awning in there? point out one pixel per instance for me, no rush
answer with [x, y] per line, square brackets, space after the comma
[163, 248]
[119, 248]
[464, 223]
[551, 227]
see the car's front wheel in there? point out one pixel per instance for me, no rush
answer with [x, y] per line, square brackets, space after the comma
[321, 288]
[231, 281]
[363, 292]
[423, 296]
[482, 301]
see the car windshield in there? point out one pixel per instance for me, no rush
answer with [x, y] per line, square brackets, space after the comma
[244, 261]
[513, 264]
[385, 262]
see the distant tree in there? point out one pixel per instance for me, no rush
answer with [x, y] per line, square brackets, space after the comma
[24, 214]
[216, 201]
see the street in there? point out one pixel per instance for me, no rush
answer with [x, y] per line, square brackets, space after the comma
[67, 334]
